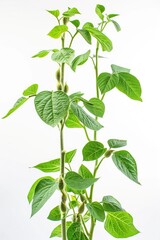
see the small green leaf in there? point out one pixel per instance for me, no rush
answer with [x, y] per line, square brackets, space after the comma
[96, 210]
[104, 41]
[42, 54]
[44, 190]
[88, 24]
[50, 166]
[110, 204]
[95, 106]
[107, 81]
[71, 12]
[74, 231]
[99, 10]
[79, 60]
[84, 172]
[86, 35]
[117, 26]
[18, 104]
[112, 15]
[57, 232]
[93, 150]
[118, 69]
[86, 119]
[31, 90]
[55, 13]
[75, 181]
[120, 225]
[76, 95]
[76, 23]
[72, 121]
[52, 107]
[70, 155]
[65, 55]
[55, 214]
[129, 85]
[126, 164]
[86, 216]
[116, 143]
[57, 31]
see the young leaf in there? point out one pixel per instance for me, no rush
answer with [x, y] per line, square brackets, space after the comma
[72, 121]
[75, 181]
[43, 191]
[50, 166]
[55, 13]
[42, 54]
[126, 164]
[86, 35]
[129, 85]
[93, 150]
[84, 172]
[55, 214]
[57, 31]
[76, 23]
[71, 12]
[52, 107]
[31, 90]
[118, 69]
[86, 216]
[57, 232]
[96, 210]
[120, 225]
[110, 204]
[65, 55]
[113, 15]
[70, 155]
[116, 143]
[86, 119]
[79, 60]
[117, 26]
[107, 82]
[18, 104]
[104, 41]
[99, 10]
[95, 106]
[74, 231]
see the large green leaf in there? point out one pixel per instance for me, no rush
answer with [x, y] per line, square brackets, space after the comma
[126, 164]
[86, 35]
[129, 85]
[65, 55]
[79, 60]
[44, 190]
[107, 81]
[71, 12]
[57, 31]
[85, 172]
[86, 119]
[120, 225]
[116, 143]
[99, 10]
[93, 150]
[76, 181]
[52, 107]
[57, 231]
[55, 13]
[118, 69]
[110, 204]
[104, 41]
[50, 166]
[55, 214]
[74, 231]
[96, 210]
[31, 90]
[18, 104]
[95, 106]
[72, 121]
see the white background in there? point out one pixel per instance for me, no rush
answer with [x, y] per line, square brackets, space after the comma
[25, 140]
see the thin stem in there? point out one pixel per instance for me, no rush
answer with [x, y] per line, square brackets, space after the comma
[72, 39]
[84, 226]
[86, 133]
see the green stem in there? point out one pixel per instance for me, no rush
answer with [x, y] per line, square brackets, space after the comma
[72, 39]
[84, 226]
[86, 133]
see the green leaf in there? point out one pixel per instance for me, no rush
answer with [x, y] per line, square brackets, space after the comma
[83, 236]
[107, 81]
[88, 24]
[110, 204]
[120, 225]
[86, 119]
[74, 231]
[129, 85]
[57, 232]
[33, 187]
[76, 23]
[104, 41]
[86, 35]
[71, 12]
[76, 95]
[126, 164]
[116, 143]
[55, 214]
[95, 106]
[65, 55]
[50, 166]
[75, 181]
[52, 107]
[86, 216]
[31, 90]
[42, 54]
[79, 60]
[44, 190]
[117, 26]
[72, 121]
[118, 69]
[99, 10]
[93, 150]
[55, 13]
[57, 31]
[113, 15]
[18, 104]
[70, 155]
[84, 172]
[96, 210]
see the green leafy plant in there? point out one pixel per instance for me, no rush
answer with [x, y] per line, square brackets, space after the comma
[78, 211]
